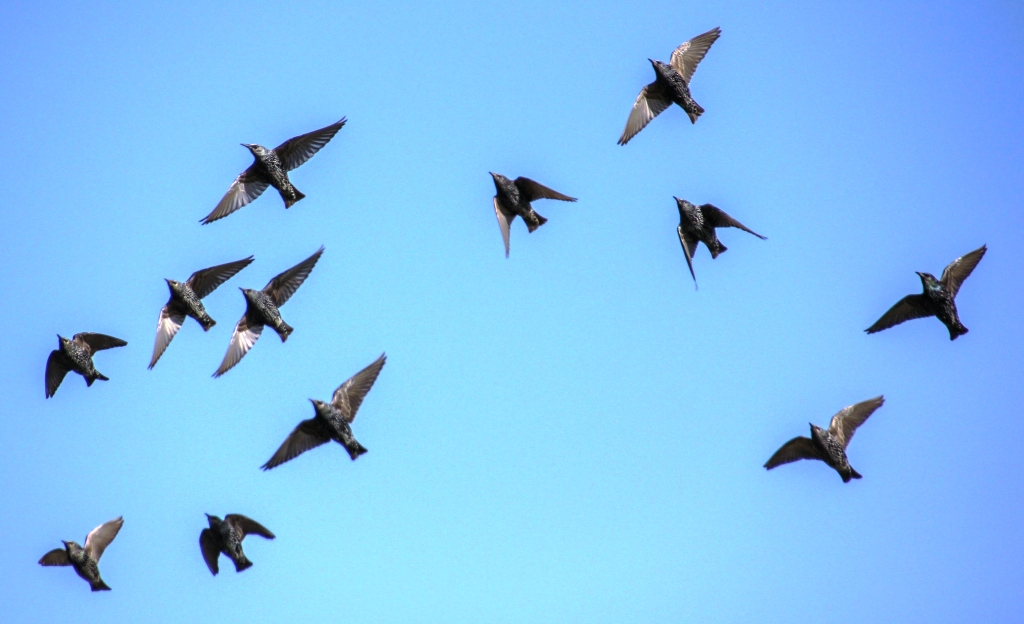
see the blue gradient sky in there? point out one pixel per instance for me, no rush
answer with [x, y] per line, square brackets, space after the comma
[570, 435]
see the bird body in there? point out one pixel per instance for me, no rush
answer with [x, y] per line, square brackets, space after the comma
[938, 298]
[225, 536]
[671, 85]
[262, 308]
[186, 300]
[331, 421]
[829, 445]
[514, 198]
[270, 167]
[85, 560]
[76, 355]
[697, 225]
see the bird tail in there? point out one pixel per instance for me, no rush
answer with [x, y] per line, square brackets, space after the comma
[957, 331]
[89, 380]
[355, 449]
[284, 331]
[99, 585]
[853, 474]
[533, 226]
[720, 248]
[207, 323]
[243, 564]
[697, 112]
[288, 203]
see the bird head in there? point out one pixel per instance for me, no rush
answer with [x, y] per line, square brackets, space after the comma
[656, 64]
[815, 430]
[318, 405]
[172, 284]
[499, 179]
[61, 340]
[248, 293]
[213, 520]
[255, 149]
[928, 280]
[71, 546]
[683, 205]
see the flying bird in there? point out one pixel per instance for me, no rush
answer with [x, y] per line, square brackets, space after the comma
[514, 197]
[938, 298]
[76, 355]
[185, 301]
[271, 168]
[332, 420]
[261, 308]
[225, 536]
[829, 445]
[671, 85]
[86, 560]
[697, 224]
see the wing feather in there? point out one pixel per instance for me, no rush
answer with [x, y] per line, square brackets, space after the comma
[247, 186]
[906, 309]
[166, 328]
[649, 104]
[505, 219]
[958, 270]
[242, 340]
[210, 549]
[57, 367]
[296, 151]
[689, 248]
[100, 537]
[308, 434]
[56, 557]
[98, 342]
[846, 421]
[349, 395]
[248, 526]
[796, 449]
[205, 281]
[686, 57]
[531, 190]
[282, 287]
[716, 217]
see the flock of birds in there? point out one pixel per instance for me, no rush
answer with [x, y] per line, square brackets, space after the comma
[332, 420]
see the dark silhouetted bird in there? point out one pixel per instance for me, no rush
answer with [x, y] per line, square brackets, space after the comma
[86, 560]
[829, 445]
[332, 420]
[225, 536]
[698, 223]
[261, 308]
[671, 85]
[514, 197]
[271, 169]
[185, 301]
[938, 299]
[76, 355]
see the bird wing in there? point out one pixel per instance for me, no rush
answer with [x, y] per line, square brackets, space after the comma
[56, 557]
[716, 217]
[351, 393]
[98, 342]
[296, 151]
[242, 340]
[247, 526]
[282, 287]
[649, 104]
[530, 191]
[907, 308]
[689, 248]
[505, 219]
[57, 366]
[205, 281]
[686, 57]
[846, 421]
[100, 537]
[309, 434]
[796, 449]
[247, 186]
[210, 549]
[166, 328]
[958, 270]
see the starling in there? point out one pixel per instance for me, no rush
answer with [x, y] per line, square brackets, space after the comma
[671, 85]
[829, 445]
[225, 536]
[697, 224]
[261, 308]
[332, 420]
[271, 168]
[76, 355]
[514, 197]
[86, 560]
[938, 298]
[185, 301]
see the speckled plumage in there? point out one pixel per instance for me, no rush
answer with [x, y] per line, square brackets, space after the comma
[76, 355]
[262, 309]
[86, 560]
[697, 225]
[938, 298]
[671, 85]
[186, 300]
[829, 445]
[331, 420]
[514, 199]
[225, 536]
[270, 168]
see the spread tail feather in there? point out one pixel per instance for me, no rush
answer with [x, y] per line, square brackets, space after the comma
[288, 203]
[207, 323]
[533, 226]
[284, 331]
[100, 376]
[244, 564]
[718, 250]
[956, 332]
[99, 585]
[355, 450]
[697, 112]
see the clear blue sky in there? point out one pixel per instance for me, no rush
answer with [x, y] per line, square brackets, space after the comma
[570, 435]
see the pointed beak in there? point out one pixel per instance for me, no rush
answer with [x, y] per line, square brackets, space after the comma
[208, 516]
